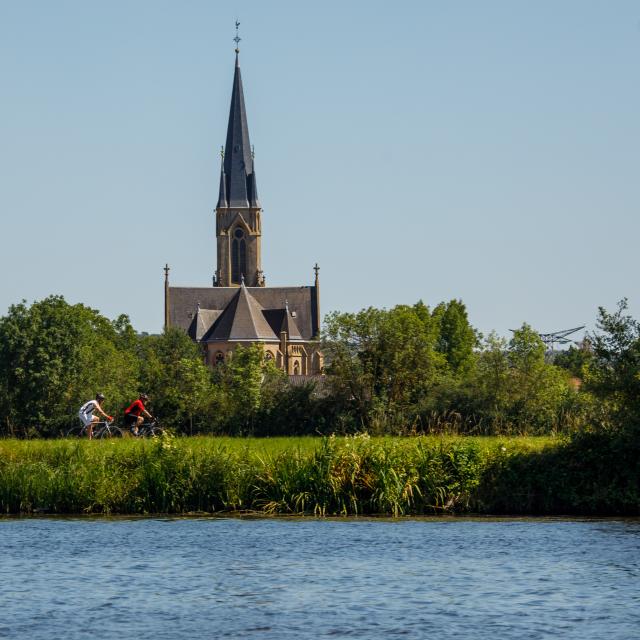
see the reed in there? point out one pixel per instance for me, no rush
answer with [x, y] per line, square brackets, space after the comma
[355, 475]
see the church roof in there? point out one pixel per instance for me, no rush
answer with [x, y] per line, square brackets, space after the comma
[202, 321]
[237, 181]
[289, 324]
[241, 320]
[245, 313]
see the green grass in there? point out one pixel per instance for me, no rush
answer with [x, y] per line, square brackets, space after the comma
[322, 476]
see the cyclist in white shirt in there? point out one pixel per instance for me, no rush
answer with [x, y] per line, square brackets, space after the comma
[86, 413]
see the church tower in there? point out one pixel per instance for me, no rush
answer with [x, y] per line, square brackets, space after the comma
[239, 309]
[238, 225]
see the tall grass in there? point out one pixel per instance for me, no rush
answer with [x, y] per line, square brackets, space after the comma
[329, 476]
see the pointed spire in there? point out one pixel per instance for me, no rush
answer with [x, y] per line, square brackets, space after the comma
[253, 191]
[222, 196]
[315, 303]
[240, 188]
[289, 324]
[166, 297]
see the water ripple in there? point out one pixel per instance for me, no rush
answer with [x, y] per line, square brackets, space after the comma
[306, 578]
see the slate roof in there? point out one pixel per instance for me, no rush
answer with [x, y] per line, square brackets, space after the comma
[237, 180]
[201, 322]
[289, 324]
[242, 319]
[244, 313]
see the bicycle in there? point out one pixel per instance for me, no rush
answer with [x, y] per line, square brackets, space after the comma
[148, 430]
[101, 430]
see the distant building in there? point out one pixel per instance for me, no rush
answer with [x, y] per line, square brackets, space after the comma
[239, 309]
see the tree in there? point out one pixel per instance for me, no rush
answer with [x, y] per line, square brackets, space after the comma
[383, 360]
[248, 384]
[173, 373]
[55, 356]
[539, 389]
[575, 360]
[613, 374]
[457, 339]
[492, 381]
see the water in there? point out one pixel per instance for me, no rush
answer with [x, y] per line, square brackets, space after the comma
[306, 578]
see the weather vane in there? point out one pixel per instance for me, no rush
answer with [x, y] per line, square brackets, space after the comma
[237, 38]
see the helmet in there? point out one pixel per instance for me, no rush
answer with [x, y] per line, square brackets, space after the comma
[100, 397]
[144, 396]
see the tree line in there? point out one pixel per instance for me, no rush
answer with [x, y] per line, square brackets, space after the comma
[409, 369]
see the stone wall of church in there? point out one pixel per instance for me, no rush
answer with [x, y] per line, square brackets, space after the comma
[303, 359]
[230, 222]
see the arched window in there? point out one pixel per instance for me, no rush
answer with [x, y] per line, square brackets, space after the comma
[268, 356]
[238, 256]
[219, 357]
[296, 368]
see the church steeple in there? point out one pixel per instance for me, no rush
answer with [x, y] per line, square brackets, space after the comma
[237, 170]
[238, 224]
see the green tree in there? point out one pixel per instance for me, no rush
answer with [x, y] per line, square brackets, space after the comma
[539, 389]
[248, 383]
[613, 374]
[353, 364]
[383, 362]
[575, 360]
[491, 387]
[53, 357]
[457, 339]
[180, 385]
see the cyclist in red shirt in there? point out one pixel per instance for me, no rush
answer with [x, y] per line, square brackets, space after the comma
[136, 412]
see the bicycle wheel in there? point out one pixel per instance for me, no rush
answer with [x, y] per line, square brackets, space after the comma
[110, 431]
[75, 432]
[155, 432]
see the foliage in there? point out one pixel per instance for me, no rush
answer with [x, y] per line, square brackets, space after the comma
[405, 370]
[246, 383]
[55, 356]
[591, 473]
[575, 360]
[594, 474]
[409, 369]
[457, 339]
[613, 373]
[177, 380]
[381, 358]
[538, 388]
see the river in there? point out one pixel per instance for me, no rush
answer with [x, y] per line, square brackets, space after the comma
[310, 578]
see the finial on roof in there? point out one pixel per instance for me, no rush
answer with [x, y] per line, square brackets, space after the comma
[222, 153]
[286, 305]
[253, 152]
[316, 268]
[166, 272]
[237, 39]
[242, 279]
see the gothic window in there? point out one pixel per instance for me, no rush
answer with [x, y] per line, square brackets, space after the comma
[238, 256]
[268, 356]
[219, 357]
[296, 368]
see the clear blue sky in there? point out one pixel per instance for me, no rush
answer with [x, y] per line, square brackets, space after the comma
[487, 151]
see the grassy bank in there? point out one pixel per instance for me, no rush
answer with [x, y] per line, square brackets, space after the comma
[331, 476]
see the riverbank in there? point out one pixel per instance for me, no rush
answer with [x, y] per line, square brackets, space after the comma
[592, 475]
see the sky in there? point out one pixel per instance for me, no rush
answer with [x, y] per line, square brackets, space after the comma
[487, 152]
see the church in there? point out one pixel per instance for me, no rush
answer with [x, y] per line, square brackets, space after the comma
[239, 309]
